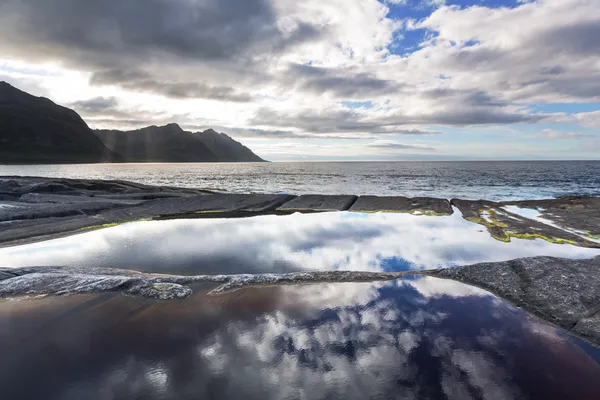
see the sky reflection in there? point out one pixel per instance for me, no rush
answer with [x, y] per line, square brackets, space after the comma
[419, 339]
[414, 338]
[347, 241]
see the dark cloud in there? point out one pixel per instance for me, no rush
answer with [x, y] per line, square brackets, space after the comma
[142, 81]
[110, 36]
[339, 82]
[556, 70]
[579, 39]
[385, 144]
[96, 104]
[478, 98]
[206, 30]
[351, 121]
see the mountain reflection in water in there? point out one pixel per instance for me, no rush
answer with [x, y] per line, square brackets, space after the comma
[414, 338]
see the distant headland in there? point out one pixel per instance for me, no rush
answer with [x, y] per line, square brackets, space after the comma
[35, 130]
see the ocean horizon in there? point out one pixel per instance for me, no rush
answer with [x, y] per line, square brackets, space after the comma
[490, 180]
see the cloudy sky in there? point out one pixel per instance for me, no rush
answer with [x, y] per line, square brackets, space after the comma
[324, 80]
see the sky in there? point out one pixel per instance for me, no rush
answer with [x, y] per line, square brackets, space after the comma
[324, 80]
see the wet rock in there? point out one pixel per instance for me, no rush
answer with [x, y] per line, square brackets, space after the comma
[79, 280]
[313, 202]
[54, 187]
[578, 213]
[564, 292]
[34, 209]
[161, 291]
[504, 225]
[588, 328]
[93, 204]
[415, 205]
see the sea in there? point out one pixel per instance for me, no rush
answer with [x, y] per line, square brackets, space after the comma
[491, 180]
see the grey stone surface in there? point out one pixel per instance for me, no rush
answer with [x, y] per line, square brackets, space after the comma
[44, 208]
[564, 292]
[79, 280]
[33, 209]
[43, 198]
[504, 225]
[579, 213]
[415, 205]
[315, 202]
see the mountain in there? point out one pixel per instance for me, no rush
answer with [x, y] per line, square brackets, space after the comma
[170, 143]
[167, 143]
[36, 130]
[225, 148]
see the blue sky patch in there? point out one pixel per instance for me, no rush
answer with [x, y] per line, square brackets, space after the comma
[357, 104]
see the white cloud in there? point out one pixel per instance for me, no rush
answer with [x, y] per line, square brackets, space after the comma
[287, 70]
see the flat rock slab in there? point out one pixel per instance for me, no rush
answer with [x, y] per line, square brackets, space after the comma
[18, 185]
[415, 205]
[504, 225]
[564, 292]
[33, 209]
[15, 282]
[579, 213]
[314, 202]
[52, 221]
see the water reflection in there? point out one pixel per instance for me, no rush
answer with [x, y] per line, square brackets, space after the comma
[349, 241]
[417, 338]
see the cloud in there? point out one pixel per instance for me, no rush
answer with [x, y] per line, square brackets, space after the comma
[142, 29]
[161, 35]
[552, 56]
[280, 69]
[96, 104]
[340, 83]
[345, 120]
[553, 134]
[389, 144]
[588, 119]
[141, 81]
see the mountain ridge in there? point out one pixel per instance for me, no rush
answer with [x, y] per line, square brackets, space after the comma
[171, 143]
[37, 130]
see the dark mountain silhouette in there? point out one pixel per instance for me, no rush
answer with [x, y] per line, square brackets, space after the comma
[170, 143]
[225, 148]
[36, 130]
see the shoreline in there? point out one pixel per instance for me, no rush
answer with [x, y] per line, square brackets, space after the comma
[562, 292]
[36, 208]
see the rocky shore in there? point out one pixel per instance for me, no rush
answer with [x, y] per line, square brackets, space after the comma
[34, 209]
[563, 292]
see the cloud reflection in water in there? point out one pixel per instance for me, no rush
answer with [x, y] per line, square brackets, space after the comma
[347, 241]
[418, 339]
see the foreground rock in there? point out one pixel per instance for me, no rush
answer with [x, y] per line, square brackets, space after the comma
[561, 291]
[567, 220]
[316, 202]
[577, 213]
[32, 281]
[34, 209]
[415, 205]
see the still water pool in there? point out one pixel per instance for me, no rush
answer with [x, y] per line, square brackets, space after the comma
[412, 338]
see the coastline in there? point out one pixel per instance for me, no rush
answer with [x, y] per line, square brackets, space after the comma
[562, 292]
